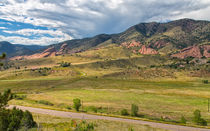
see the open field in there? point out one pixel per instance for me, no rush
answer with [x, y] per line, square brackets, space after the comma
[108, 86]
[168, 99]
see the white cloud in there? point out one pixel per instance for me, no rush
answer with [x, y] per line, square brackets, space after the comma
[31, 32]
[27, 41]
[79, 18]
[3, 28]
[41, 38]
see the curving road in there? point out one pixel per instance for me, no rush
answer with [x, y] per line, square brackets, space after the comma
[89, 116]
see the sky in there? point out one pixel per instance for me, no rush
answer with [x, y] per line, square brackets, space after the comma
[45, 22]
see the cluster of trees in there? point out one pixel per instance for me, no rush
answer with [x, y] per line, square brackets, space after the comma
[13, 119]
[3, 56]
[197, 119]
[135, 109]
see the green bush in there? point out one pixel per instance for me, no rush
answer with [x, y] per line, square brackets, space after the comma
[205, 81]
[20, 97]
[77, 104]
[68, 107]
[124, 112]
[65, 64]
[197, 118]
[152, 66]
[13, 119]
[82, 126]
[3, 56]
[134, 110]
[130, 129]
[27, 121]
[44, 102]
[93, 108]
[183, 120]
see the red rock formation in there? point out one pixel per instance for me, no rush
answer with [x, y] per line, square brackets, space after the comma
[147, 51]
[134, 51]
[131, 44]
[193, 51]
[124, 44]
[62, 49]
[206, 51]
[46, 53]
[159, 44]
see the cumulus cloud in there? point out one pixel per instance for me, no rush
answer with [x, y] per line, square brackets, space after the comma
[38, 32]
[3, 28]
[40, 37]
[82, 18]
[28, 41]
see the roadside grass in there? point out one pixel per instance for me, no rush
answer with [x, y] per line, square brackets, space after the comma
[52, 123]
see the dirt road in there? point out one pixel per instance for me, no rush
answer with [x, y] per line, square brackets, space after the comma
[89, 116]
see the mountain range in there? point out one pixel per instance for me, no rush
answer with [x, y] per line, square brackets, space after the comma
[18, 50]
[180, 38]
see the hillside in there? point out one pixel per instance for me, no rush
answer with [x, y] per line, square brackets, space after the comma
[17, 50]
[181, 38]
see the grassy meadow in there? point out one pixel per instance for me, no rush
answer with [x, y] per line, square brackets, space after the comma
[106, 85]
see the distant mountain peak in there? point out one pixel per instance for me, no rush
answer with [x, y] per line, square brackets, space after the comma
[158, 38]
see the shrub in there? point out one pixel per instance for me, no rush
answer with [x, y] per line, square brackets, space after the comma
[20, 97]
[68, 107]
[130, 129]
[183, 120]
[3, 56]
[44, 102]
[162, 118]
[197, 118]
[27, 120]
[202, 122]
[13, 119]
[197, 115]
[82, 126]
[65, 64]
[93, 108]
[152, 66]
[134, 110]
[205, 81]
[124, 112]
[77, 104]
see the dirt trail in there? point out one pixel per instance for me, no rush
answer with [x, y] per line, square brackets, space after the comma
[89, 116]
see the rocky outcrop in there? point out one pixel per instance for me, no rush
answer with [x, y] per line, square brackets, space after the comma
[147, 51]
[63, 49]
[46, 53]
[131, 44]
[159, 44]
[206, 51]
[193, 51]
[137, 47]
